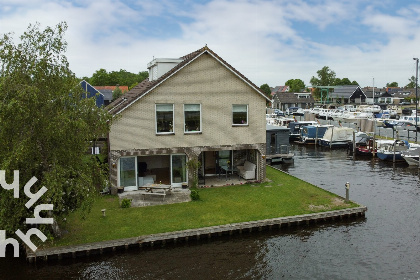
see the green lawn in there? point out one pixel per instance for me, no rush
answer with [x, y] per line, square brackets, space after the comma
[283, 196]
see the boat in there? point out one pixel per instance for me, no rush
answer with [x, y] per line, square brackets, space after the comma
[372, 146]
[411, 156]
[295, 129]
[361, 141]
[392, 151]
[311, 133]
[336, 137]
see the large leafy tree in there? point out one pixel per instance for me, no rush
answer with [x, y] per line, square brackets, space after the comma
[295, 85]
[412, 82]
[45, 127]
[393, 84]
[266, 89]
[326, 77]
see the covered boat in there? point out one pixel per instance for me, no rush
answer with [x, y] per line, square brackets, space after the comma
[311, 133]
[337, 137]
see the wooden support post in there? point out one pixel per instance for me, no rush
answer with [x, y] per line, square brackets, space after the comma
[354, 145]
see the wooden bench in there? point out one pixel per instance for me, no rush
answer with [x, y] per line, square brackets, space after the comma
[161, 194]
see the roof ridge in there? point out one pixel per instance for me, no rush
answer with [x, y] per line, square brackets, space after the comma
[142, 88]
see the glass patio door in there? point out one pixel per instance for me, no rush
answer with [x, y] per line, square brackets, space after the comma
[178, 169]
[128, 172]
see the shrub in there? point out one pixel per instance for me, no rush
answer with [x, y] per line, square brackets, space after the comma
[195, 195]
[126, 203]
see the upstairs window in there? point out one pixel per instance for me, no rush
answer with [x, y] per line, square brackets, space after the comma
[192, 118]
[240, 114]
[164, 118]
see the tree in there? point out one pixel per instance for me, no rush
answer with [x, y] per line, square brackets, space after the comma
[116, 93]
[412, 82]
[393, 84]
[266, 89]
[295, 85]
[326, 77]
[45, 125]
[103, 78]
[100, 78]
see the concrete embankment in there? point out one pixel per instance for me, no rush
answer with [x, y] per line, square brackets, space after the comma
[192, 234]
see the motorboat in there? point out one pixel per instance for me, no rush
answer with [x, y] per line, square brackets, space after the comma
[311, 133]
[411, 156]
[295, 129]
[336, 137]
[392, 151]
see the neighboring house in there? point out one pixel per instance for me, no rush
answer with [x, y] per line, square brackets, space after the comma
[107, 92]
[279, 89]
[197, 107]
[92, 92]
[284, 100]
[348, 94]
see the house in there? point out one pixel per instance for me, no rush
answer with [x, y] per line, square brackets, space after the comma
[107, 92]
[279, 89]
[348, 94]
[284, 100]
[194, 108]
[92, 92]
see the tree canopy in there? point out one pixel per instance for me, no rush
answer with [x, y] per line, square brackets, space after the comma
[393, 84]
[45, 127]
[266, 89]
[412, 82]
[123, 78]
[295, 85]
[326, 77]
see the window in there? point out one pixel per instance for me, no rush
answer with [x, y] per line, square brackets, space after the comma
[240, 114]
[128, 171]
[192, 118]
[164, 118]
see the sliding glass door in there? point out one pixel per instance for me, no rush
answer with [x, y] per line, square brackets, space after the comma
[178, 169]
[128, 171]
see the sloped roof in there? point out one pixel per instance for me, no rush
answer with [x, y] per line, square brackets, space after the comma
[108, 90]
[92, 92]
[345, 91]
[290, 97]
[146, 86]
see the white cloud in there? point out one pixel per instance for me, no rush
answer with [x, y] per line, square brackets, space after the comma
[261, 39]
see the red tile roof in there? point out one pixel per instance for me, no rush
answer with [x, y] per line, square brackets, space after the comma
[122, 88]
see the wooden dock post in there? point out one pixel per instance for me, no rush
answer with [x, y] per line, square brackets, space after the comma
[354, 145]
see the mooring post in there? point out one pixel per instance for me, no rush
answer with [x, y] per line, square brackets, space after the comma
[354, 145]
[347, 191]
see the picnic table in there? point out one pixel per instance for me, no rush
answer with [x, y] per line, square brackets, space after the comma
[156, 190]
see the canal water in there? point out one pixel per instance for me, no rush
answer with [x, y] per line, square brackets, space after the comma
[383, 245]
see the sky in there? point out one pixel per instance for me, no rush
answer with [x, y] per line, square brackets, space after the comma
[372, 42]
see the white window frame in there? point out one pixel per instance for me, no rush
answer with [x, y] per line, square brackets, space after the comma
[193, 131]
[247, 115]
[173, 119]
